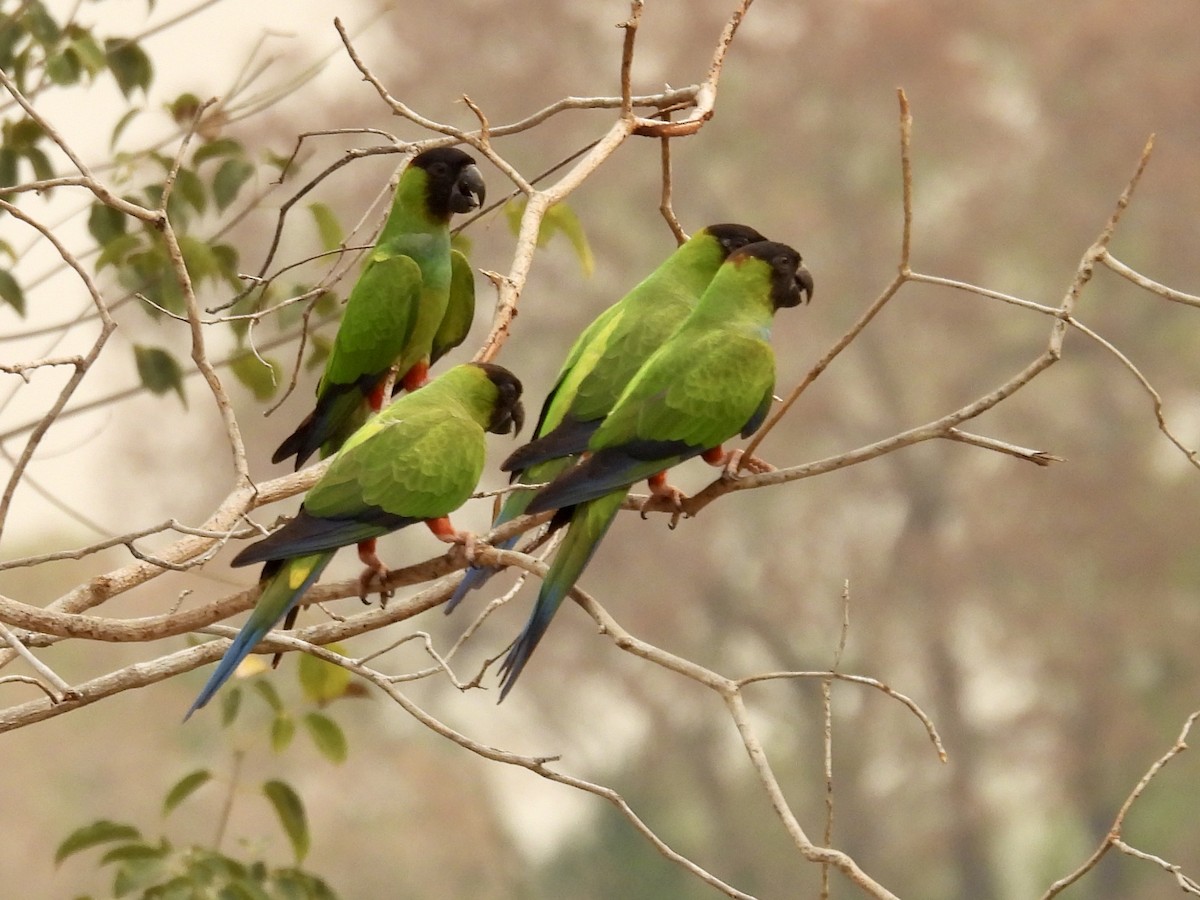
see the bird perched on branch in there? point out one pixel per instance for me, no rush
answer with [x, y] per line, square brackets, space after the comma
[417, 461]
[713, 379]
[602, 361]
[412, 302]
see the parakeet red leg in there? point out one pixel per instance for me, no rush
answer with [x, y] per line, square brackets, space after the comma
[660, 489]
[374, 573]
[417, 376]
[730, 462]
[444, 531]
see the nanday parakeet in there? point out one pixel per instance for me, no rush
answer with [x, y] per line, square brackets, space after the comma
[418, 460]
[399, 303]
[711, 380]
[601, 362]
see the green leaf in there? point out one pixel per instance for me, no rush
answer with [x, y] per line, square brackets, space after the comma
[559, 218]
[226, 256]
[215, 149]
[23, 134]
[183, 108]
[191, 187]
[63, 68]
[291, 815]
[328, 227]
[268, 692]
[323, 681]
[120, 126]
[39, 23]
[199, 258]
[263, 380]
[319, 348]
[10, 35]
[283, 729]
[297, 884]
[184, 788]
[105, 224]
[42, 170]
[130, 65]
[278, 161]
[91, 57]
[135, 875]
[159, 371]
[116, 249]
[8, 167]
[11, 293]
[231, 702]
[229, 180]
[102, 831]
[137, 851]
[181, 887]
[243, 890]
[207, 866]
[328, 736]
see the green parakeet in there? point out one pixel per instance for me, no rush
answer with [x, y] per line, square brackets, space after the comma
[601, 362]
[399, 312]
[418, 460]
[711, 380]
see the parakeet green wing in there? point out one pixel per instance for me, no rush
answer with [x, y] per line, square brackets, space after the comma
[418, 460]
[711, 380]
[460, 308]
[604, 358]
[398, 303]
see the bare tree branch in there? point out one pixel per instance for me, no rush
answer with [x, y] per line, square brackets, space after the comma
[1113, 838]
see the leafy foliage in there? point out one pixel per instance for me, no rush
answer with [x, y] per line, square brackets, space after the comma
[559, 219]
[159, 371]
[157, 867]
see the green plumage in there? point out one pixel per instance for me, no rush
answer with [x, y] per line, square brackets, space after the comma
[399, 302]
[460, 308]
[602, 361]
[418, 460]
[711, 380]
[610, 351]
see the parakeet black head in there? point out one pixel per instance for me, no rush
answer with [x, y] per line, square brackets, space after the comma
[733, 237]
[791, 283]
[455, 184]
[508, 416]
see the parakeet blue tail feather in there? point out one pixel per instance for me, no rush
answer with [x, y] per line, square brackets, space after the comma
[477, 576]
[256, 626]
[589, 523]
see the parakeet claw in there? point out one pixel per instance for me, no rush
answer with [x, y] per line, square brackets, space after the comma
[752, 464]
[664, 496]
[470, 544]
[372, 581]
[444, 531]
[374, 577]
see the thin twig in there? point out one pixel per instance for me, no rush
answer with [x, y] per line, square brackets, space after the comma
[1114, 832]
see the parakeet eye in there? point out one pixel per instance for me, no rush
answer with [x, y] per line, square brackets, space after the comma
[439, 170]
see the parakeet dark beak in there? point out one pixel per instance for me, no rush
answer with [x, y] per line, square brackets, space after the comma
[791, 289]
[508, 419]
[804, 283]
[469, 190]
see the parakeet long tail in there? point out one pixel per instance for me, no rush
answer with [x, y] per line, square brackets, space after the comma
[288, 582]
[589, 523]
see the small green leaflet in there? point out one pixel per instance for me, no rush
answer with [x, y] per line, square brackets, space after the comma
[159, 371]
[290, 810]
